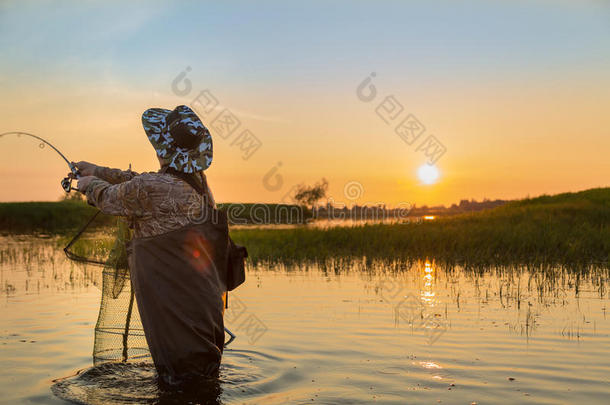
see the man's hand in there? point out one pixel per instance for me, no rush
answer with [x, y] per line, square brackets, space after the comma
[83, 183]
[85, 168]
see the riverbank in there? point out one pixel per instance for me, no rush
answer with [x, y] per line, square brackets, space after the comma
[571, 229]
[63, 217]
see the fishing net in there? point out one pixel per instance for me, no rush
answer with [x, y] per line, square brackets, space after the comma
[119, 336]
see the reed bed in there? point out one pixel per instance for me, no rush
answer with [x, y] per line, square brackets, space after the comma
[568, 229]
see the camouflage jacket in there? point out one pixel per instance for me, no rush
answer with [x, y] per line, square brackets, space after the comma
[154, 203]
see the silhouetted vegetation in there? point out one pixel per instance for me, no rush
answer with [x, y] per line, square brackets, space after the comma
[70, 214]
[47, 217]
[381, 212]
[571, 229]
[567, 229]
[308, 196]
[265, 214]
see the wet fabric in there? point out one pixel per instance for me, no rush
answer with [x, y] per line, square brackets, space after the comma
[179, 279]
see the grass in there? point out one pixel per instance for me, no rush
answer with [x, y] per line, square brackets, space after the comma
[64, 217]
[570, 229]
[46, 217]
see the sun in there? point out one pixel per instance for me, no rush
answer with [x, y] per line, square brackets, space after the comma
[428, 174]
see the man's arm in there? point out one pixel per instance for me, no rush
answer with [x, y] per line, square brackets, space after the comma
[112, 176]
[127, 199]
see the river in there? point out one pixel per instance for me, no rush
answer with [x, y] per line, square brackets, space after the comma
[331, 334]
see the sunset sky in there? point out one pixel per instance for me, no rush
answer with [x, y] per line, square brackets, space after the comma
[517, 92]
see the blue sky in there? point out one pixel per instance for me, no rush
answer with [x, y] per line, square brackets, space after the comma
[280, 42]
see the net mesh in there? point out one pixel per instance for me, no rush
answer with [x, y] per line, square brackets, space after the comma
[119, 336]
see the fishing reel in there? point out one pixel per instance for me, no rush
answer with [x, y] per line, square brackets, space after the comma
[66, 183]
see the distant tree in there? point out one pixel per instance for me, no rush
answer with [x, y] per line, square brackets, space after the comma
[309, 195]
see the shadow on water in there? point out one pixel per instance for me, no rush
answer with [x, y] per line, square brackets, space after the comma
[136, 383]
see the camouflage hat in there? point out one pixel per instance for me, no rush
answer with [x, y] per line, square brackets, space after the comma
[181, 140]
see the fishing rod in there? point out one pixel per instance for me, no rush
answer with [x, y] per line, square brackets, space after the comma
[66, 183]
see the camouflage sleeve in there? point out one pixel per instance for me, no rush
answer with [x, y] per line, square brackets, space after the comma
[113, 176]
[128, 199]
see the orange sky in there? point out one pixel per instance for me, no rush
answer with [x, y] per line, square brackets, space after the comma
[510, 129]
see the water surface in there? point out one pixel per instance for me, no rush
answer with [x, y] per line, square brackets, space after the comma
[327, 334]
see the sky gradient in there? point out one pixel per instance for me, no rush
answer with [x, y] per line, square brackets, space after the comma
[517, 92]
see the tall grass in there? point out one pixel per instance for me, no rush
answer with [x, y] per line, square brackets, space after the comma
[46, 217]
[570, 229]
[68, 215]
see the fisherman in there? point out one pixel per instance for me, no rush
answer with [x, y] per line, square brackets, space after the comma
[181, 250]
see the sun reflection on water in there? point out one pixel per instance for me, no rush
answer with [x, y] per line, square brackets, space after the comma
[427, 293]
[429, 365]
